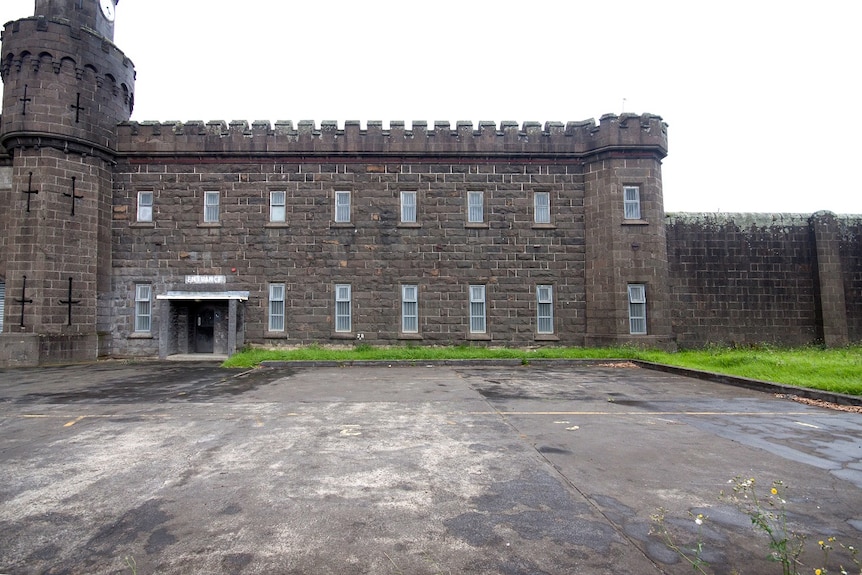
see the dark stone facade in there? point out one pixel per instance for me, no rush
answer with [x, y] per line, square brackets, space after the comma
[107, 247]
[442, 253]
[788, 279]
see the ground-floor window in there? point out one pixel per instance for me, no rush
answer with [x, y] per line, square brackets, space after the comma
[2, 303]
[637, 309]
[544, 309]
[276, 307]
[143, 308]
[342, 308]
[409, 309]
[477, 309]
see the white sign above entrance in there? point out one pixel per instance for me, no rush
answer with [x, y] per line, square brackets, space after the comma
[205, 280]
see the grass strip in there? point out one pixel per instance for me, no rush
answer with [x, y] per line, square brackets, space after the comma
[838, 370]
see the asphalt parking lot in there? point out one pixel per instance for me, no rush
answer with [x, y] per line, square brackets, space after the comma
[189, 468]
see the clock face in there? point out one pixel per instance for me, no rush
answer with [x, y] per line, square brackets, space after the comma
[107, 9]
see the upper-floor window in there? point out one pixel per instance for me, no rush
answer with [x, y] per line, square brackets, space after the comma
[342, 308]
[408, 207]
[475, 207]
[277, 207]
[477, 309]
[632, 202]
[542, 207]
[143, 307]
[145, 207]
[342, 206]
[211, 207]
[544, 309]
[637, 309]
[276, 307]
[409, 309]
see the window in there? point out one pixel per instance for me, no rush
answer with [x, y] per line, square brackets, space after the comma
[211, 201]
[277, 207]
[342, 207]
[145, 206]
[477, 309]
[342, 308]
[143, 308]
[276, 307]
[2, 303]
[632, 202]
[637, 309]
[409, 309]
[408, 207]
[542, 207]
[545, 309]
[475, 207]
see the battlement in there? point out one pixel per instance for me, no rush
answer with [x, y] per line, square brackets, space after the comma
[88, 53]
[65, 86]
[627, 131]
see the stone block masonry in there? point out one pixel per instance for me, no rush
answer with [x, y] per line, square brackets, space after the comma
[374, 252]
[141, 239]
[789, 279]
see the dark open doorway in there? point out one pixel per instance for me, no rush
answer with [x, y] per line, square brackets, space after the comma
[204, 328]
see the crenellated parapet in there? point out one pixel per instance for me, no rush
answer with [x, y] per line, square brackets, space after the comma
[64, 86]
[627, 132]
[100, 55]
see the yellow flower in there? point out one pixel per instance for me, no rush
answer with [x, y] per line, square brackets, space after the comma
[817, 572]
[820, 543]
[774, 491]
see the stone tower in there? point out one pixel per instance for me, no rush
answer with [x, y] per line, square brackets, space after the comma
[66, 87]
[626, 248]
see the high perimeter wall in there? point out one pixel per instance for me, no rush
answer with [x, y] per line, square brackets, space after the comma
[789, 279]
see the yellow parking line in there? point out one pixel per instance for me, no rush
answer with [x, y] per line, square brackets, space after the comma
[647, 413]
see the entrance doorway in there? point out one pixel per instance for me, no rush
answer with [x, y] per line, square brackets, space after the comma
[204, 328]
[206, 323]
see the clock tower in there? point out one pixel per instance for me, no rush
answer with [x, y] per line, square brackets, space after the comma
[66, 88]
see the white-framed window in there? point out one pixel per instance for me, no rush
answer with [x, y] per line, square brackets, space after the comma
[277, 206]
[477, 309]
[342, 206]
[143, 308]
[342, 308]
[542, 207]
[2, 303]
[145, 207]
[632, 202]
[409, 309]
[408, 207]
[637, 309]
[276, 307]
[544, 309]
[475, 207]
[211, 207]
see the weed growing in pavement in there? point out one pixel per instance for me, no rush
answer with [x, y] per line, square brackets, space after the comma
[694, 555]
[768, 515]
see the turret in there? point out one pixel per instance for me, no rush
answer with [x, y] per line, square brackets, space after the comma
[66, 87]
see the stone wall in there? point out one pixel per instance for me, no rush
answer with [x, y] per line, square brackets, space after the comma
[374, 252]
[5, 200]
[775, 278]
[851, 267]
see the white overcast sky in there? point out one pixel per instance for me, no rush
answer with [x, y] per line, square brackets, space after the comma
[759, 95]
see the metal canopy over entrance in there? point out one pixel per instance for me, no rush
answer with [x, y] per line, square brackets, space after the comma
[201, 322]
